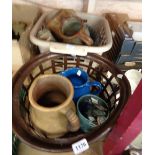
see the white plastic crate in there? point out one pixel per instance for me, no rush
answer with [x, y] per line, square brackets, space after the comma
[99, 30]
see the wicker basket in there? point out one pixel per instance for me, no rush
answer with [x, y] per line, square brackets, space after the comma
[15, 144]
[116, 93]
[19, 148]
[99, 31]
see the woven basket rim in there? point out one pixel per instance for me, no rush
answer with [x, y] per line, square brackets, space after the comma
[91, 137]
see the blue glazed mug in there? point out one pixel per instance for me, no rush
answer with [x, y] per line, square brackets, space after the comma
[82, 85]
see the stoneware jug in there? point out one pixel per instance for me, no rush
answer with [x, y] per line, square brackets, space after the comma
[52, 110]
[69, 28]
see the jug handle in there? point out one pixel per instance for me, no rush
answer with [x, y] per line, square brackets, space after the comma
[85, 38]
[74, 123]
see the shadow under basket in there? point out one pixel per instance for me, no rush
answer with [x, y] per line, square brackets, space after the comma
[116, 92]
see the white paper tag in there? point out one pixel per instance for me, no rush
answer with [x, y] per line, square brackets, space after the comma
[94, 100]
[78, 72]
[80, 146]
[120, 76]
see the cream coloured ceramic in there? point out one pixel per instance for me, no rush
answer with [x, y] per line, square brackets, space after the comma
[55, 113]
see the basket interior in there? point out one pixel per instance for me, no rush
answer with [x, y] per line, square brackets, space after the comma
[115, 93]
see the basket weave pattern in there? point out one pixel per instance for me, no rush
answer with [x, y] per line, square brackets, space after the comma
[116, 92]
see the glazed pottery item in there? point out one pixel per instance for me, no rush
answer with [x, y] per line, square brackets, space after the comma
[80, 80]
[69, 28]
[134, 76]
[45, 34]
[52, 110]
[92, 111]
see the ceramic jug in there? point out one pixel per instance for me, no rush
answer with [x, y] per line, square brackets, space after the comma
[52, 110]
[81, 82]
[69, 28]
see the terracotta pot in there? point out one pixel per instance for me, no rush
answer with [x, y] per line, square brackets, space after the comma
[69, 28]
[52, 110]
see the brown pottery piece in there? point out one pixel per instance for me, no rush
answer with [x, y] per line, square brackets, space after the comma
[69, 28]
